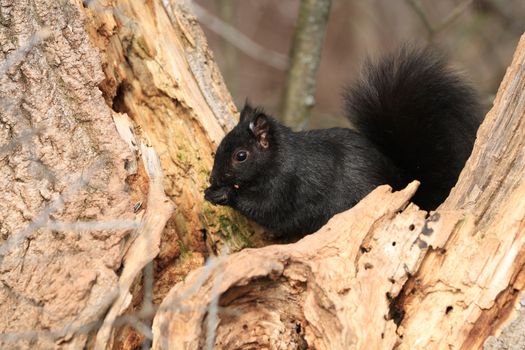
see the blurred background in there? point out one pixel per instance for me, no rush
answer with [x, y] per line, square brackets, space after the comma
[251, 41]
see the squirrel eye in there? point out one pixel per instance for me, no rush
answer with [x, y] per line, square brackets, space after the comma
[241, 156]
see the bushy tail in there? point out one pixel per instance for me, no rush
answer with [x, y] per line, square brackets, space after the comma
[421, 115]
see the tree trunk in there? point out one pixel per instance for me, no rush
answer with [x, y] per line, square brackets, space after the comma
[93, 94]
[111, 110]
[384, 274]
[299, 91]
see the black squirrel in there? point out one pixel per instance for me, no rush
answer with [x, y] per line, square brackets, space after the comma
[414, 118]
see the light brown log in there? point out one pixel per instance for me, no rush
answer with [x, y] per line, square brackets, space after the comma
[160, 72]
[482, 274]
[384, 274]
[144, 243]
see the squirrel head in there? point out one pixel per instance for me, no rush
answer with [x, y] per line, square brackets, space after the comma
[244, 154]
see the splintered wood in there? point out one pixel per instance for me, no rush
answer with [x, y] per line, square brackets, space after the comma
[384, 274]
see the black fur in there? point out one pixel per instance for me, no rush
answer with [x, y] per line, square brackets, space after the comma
[415, 119]
[420, 114]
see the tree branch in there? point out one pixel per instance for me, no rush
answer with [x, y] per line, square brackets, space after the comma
[239, 40]
[299, 91]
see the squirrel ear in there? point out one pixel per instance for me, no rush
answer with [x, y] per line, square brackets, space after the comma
[246, 111]
[260, 128]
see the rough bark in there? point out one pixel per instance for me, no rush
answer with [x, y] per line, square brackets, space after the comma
[384, 274]
[77, 216]
[70, 168]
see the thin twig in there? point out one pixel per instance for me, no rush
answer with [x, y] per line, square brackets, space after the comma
[453, 15]
[42, 219]
[23, 137]
[90, 226]
[239, 40]
[139, 320]
[420, 11]
[147, 301]
[213, 307]
[19, 54]
[145, 247]
[449, 19]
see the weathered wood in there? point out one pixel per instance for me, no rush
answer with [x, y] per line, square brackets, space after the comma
[144, 243]
[72, 190]
[160, 72]
[482, 274]
[382, 275]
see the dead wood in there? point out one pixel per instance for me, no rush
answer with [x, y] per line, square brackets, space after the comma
[72, 190]
[384, 274]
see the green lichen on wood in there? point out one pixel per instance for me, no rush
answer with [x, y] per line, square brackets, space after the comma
[228, 226]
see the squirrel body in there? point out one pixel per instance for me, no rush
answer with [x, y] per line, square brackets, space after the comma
[415, 119]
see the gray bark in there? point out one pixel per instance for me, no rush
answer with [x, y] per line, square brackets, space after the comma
[62, 162]
[299, 92]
